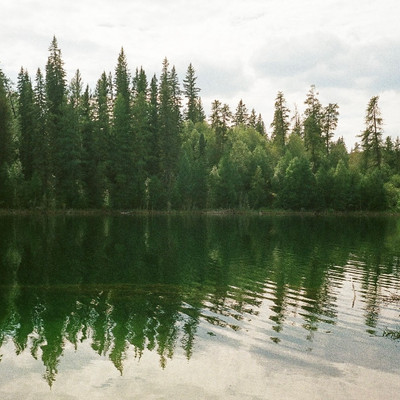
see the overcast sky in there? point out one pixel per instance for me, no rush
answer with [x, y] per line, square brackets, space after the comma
[350, 49]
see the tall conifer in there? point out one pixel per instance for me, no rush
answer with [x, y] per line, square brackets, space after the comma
[371, 138]
[6, 147]
[280, 124]
[169, 124]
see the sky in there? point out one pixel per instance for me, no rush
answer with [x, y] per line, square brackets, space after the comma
[249, 50]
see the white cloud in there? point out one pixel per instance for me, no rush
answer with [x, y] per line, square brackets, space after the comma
[239, 49]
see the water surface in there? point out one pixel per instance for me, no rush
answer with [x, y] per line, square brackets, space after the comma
[199, 307]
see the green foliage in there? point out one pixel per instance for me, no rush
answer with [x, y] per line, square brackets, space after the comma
[131, 144]
[280, 123]
[241, 115]
[342, 187]
[325, 188]
[258, 194]
[298, 186]
[371, 138]
[329, 121]
[373, 195]
[194, 111]
[392, 192]
[169, 126]
[6, 144]
[313, 128]
[122, 156]
[55, 80]
[122, 77]
[27, 122]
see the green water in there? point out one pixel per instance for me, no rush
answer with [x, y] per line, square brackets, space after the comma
[199, 307]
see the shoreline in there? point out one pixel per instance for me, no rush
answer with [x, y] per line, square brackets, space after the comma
[221, 212]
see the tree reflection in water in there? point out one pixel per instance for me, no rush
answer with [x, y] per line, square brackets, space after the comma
[134, 284]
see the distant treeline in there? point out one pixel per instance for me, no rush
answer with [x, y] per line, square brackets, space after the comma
[135, 143]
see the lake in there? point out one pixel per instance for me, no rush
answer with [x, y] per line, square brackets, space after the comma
[199, 307]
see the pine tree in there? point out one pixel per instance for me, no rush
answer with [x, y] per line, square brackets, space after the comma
[280, 124]
[371, 138]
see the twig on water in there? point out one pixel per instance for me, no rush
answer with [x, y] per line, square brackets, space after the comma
[354, 293]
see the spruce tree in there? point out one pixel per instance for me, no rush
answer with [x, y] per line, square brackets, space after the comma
[122, 160]
[296, 123]
[220, 120]
[169, 125]
[252, 122]
[397, 155]
[68, 159]
[122, 77]
[241, 115]
[153, 166]
[260, 126]
[122, 146]
[55, 101]
[42, 177]
[141, 135]
[191, 91]
[313, 128]
[6, 147]
[280, 124]
[27, 123]
[102, 135]
[55, 80]
[330, 116]
[91, 173]
[371, 138]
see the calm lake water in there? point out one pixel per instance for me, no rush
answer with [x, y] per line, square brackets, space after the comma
[173, 307]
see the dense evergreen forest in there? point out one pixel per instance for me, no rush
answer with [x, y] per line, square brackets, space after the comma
[140, 143]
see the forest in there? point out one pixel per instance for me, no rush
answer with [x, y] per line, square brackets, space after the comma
[135, 143]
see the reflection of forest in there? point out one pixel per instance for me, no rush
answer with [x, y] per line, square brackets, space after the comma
[148, 282]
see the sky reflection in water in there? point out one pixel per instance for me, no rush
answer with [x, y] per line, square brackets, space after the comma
[198, 307]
